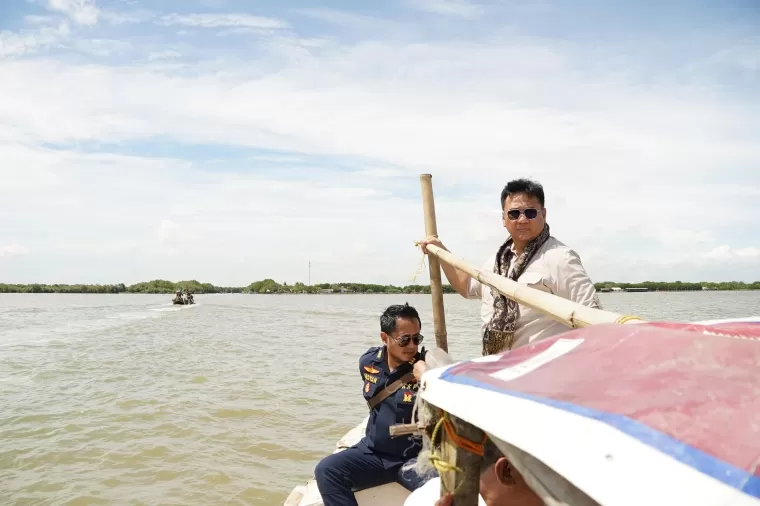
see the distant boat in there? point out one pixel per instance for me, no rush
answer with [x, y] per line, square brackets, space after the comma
[183, 299]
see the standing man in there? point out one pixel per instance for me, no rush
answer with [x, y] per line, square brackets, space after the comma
[390, 389]
[531, 256]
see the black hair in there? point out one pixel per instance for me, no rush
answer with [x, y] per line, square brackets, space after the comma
[491, 454]
[526, 186]
[389, 316]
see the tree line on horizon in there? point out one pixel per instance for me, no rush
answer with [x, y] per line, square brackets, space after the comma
[680, 286]
[270, 286]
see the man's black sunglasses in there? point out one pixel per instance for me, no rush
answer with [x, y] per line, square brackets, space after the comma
[530, 213]
[404, 340]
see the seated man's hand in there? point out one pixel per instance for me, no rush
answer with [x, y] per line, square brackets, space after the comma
[419, 369]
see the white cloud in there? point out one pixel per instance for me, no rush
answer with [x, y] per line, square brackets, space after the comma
[166, 231]
[720, 253]
[737, 257]
[39, 20]
[223, 20]
[20, 43]
[123, 17]
[340, 104]
[13, 249]
[83, 12]
[639, 179]
[347, 20]
[748, 252]
[164, 55]
[231, 230]
[103, 47]
[461, 8]
[744, 55]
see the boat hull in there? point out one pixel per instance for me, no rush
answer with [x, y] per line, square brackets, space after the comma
[391, 494]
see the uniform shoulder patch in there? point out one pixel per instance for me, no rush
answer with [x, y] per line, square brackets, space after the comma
[372, 354]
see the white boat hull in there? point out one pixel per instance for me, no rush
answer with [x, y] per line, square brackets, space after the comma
[391, 494]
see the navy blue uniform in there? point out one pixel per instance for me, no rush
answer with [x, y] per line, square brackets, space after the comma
[377, 458]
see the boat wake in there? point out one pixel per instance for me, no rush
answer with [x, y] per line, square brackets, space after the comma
[172, 307]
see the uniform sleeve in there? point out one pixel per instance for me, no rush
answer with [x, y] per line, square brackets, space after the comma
[572, 282]
[365, 359]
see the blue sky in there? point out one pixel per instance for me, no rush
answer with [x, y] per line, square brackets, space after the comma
[230, 141]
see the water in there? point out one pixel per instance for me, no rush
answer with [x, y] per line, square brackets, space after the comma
[127, 399]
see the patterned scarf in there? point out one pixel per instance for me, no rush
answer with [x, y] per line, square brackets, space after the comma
[507, 311]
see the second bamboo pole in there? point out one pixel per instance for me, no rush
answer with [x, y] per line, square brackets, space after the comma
[436, 287]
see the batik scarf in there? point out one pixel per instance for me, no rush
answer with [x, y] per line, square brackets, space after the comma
[506, 311]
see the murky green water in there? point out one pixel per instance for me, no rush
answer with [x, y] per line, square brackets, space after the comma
[125, 399]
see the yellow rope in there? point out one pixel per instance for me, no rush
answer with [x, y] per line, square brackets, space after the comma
[438, 462]
[421, 265]
[444, 466]
[627, 318]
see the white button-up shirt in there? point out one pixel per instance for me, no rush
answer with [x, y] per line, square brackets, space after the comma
[556, 269]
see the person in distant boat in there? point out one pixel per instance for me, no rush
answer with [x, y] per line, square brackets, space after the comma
[390, 389]
[531, 256]
[500, 485]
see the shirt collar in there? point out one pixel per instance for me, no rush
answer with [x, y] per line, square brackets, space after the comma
[381, 359]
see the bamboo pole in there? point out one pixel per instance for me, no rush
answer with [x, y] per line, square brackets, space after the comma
[436, 288]
[560, 309]
[465, 483]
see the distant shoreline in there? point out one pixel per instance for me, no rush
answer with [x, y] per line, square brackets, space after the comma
[269, 286]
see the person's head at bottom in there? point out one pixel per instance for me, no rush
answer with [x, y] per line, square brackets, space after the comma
[500, 483]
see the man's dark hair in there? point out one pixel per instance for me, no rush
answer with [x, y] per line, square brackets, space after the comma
[389, 316]
[526, 186]
[491, 454]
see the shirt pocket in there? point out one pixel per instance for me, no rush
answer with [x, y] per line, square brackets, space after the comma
[404, 399]
[535, 280]
[404, 412]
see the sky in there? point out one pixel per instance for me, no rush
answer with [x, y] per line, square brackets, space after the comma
[230, 141]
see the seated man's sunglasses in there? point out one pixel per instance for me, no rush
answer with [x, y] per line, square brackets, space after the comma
[405, 340]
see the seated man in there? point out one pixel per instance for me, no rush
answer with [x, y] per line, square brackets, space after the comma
[500, 485]
[390, 389]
